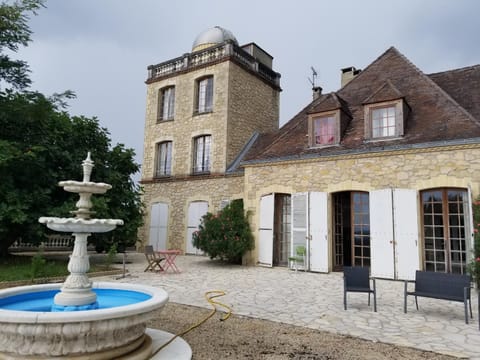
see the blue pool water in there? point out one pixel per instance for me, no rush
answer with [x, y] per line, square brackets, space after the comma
[42, 301]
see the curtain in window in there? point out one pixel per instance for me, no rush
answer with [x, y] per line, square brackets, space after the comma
[164, 159]
[202, 154]
[168, 103]
[324, 130]
[205, 95]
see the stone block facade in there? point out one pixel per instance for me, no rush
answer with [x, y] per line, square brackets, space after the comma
[179, 194]
[440, 167]
[242, 104]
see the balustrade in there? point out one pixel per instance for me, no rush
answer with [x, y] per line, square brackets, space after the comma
[57, 241]
[209, 55]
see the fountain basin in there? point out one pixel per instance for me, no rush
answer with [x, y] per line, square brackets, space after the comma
[113, 330]
[76, 225]
[84, 187]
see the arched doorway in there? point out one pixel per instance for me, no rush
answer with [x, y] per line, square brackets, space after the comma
[446, 229]
[351, 229]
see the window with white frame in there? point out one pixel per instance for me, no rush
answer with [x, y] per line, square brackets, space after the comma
[166, 103]
[204, 102]
[385, 120]
[201, 154]
[164, 159]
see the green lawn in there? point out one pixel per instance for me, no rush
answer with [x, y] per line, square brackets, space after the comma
[15, 268]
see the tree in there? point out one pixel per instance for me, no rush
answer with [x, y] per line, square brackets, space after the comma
[226, 235]
[14, 31]
[41, 144]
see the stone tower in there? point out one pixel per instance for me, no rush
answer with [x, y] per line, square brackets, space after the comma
[204, 111]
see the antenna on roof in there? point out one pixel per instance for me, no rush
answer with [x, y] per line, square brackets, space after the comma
[314, 77]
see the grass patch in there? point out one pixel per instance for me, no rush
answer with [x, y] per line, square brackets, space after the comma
[16, 268]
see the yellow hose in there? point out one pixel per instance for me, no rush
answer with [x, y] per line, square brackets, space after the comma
[209, 296]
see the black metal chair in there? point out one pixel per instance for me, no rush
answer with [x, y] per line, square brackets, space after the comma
[357, 279]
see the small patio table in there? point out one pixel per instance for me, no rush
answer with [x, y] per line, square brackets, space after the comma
[170, 256]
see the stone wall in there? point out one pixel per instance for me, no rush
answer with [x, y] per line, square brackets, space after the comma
[186, 125]
[253, 105]
[179, 194]
[454, 166]
[242, 104]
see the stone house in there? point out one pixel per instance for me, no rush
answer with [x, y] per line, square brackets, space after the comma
[380, 173]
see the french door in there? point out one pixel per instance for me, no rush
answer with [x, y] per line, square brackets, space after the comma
[446, 229]
[351, 227]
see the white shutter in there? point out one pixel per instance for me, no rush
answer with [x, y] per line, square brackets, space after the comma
[265, 242]
[195, 212]
[469, 235]
[158, 226]
[318, 232]
[405, 216]
[299, 222]
[381, 234]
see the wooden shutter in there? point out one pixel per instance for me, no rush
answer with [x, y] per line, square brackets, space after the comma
[381, 234]
[265, 231]
[318, 228]
[405, 214]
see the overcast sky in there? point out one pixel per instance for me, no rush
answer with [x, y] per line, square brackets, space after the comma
[101, 48]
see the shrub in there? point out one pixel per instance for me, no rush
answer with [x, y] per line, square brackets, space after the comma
[226, 235]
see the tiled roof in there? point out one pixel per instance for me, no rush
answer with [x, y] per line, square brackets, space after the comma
[328, 102]
[386, 92]
[459, 84]
[444, 107]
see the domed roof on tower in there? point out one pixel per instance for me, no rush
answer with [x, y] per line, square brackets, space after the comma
[211, 37]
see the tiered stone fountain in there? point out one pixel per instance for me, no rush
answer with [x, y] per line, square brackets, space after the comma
[80, 319]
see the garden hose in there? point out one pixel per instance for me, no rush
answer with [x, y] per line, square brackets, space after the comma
[209, 296]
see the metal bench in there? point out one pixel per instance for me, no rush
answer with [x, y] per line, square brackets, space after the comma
[436, 285]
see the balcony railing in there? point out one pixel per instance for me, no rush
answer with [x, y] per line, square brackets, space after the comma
[209, 55]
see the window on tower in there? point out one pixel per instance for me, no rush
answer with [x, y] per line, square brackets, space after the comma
[163, 165]
[166, 103]
[201, 154]
[204, 95]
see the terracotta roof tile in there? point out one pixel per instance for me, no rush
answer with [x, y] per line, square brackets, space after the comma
[444, 107]
[386, 92]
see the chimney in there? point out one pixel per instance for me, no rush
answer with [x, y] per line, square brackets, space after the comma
[348, 74]
[317, 91]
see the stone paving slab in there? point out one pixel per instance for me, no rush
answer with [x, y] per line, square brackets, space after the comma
[315, 301]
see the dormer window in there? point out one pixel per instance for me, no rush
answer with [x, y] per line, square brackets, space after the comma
[324, 130]
[385, 113]
[385, 120]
